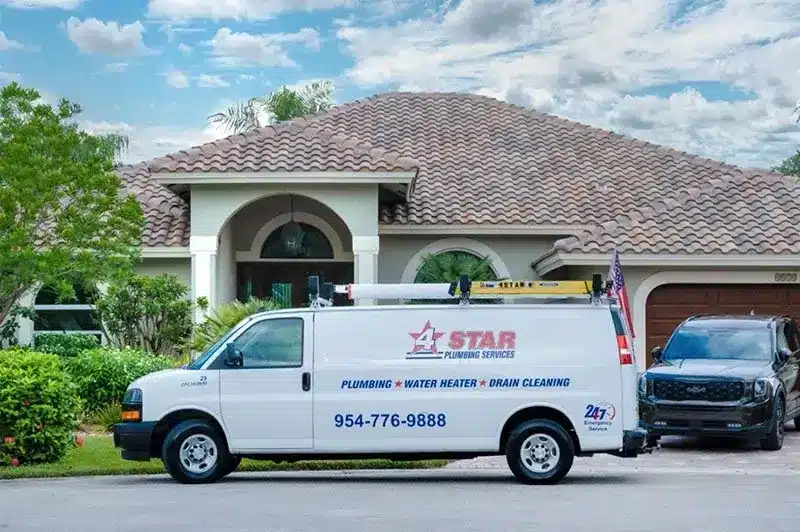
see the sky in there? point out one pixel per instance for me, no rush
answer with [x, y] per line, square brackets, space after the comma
[716, 78]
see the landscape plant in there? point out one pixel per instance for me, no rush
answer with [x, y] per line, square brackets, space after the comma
[152, 313]
[65, 214]
[102, 375]
[39, 408]
[65, 345]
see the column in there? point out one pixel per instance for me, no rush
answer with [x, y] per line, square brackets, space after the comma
[204, 258]
[365, 262]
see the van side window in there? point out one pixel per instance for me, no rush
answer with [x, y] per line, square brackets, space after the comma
[273, 343]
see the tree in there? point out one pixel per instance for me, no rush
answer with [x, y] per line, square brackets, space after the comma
[65, 217]
[284, 104]
[150, 313]
[790, 166]
[448, 266]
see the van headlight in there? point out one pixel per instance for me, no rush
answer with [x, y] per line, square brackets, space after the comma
[761, 388]
[643, 385]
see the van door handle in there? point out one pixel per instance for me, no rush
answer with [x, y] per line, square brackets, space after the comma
[306, 381]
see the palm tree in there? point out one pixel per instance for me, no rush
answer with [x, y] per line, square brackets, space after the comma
[284, 104]
[448, 266]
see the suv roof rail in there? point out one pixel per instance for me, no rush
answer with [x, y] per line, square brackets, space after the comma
[464, 289]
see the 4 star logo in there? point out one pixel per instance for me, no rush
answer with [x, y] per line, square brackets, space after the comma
[424, 345]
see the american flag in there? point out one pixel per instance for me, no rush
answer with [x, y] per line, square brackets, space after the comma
[620, 291]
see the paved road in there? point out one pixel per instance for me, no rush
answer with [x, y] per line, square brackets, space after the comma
[686, 486]
[442, 501]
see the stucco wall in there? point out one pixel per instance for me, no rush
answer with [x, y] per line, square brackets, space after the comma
[182, 268]
[246, 223]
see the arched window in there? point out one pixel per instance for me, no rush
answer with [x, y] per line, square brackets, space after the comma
[66, 316]
[311, 244]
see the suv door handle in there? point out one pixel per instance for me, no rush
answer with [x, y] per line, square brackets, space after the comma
[306, 381]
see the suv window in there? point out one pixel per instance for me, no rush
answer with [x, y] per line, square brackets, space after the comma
[782, 340]
[273, 343]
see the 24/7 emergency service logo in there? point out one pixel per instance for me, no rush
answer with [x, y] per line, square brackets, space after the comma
[598, 417]
[428, 343]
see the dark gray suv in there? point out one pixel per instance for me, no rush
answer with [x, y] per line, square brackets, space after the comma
[724, 375]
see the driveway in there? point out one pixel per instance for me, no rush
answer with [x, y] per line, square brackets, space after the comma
[684, 455]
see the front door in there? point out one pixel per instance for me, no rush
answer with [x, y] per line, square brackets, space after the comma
[266, 402]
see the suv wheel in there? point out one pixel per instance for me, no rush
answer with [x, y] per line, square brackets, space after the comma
[774, 439]
[195, 453]
[797, 423]
[540, 451]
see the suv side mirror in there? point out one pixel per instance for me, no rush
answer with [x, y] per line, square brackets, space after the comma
[656, 353]
[784, 354]
[233, 356]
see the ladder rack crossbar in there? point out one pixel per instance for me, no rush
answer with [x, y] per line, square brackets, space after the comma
[464, 290]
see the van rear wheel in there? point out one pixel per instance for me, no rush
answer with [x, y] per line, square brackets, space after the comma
[540, 451]
[195, 453]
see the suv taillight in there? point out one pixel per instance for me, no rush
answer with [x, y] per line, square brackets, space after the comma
[625, 356]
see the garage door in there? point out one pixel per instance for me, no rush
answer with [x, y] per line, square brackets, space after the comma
[668, 305]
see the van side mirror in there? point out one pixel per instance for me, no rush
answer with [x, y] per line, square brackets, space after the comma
[233, 356]
[784, 354]
[656, 353]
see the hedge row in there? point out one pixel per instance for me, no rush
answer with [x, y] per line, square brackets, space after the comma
[44, 396]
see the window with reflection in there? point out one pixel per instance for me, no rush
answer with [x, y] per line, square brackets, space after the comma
[272, 343]
[75, 315]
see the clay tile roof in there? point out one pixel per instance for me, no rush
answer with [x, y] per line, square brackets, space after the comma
[166, 213]
[477, 160]
[297, 145]
[751, 212]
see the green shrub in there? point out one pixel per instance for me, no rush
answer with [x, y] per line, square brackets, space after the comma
[102, 375]
[39, 407]
[221, 320]
[65, 345]
[107, 416]
[147, 312]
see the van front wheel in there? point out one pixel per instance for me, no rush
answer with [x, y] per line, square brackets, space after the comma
[540, 451]
[195, 453]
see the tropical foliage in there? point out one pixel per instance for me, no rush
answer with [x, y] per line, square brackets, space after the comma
[448, 266]
[284, 104]
[64, 216]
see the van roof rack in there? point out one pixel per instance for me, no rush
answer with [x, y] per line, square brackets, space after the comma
[464, 289]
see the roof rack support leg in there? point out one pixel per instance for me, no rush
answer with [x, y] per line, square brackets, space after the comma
[365, 263]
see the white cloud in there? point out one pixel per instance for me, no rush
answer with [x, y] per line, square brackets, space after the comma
[184, 48]
[236, 9]
[8, 77]
[232, 49]
[584, 59]
[95, 36]
[43, 4]
[116, 67]
[148, 142]
[9, 44]
[209, 81]
[176, 79]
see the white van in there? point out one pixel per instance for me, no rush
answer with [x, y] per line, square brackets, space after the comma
[539, 383]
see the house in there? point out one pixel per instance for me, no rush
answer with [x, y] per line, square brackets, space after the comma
[375, 185]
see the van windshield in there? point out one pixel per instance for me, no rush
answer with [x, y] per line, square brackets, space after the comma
[202, 359]
[719, 343]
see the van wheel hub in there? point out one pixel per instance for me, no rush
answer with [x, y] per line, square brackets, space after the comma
[198, 453]
[539, 453]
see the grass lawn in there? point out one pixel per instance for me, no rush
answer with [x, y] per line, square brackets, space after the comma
[99, 457]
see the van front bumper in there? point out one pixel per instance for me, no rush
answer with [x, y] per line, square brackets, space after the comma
[134, 439]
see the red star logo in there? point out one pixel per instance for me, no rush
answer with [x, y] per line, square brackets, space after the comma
[425, 340]
[483, 382]
[398, 384]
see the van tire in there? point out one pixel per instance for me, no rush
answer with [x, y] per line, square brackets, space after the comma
[233, 464]
[211, 460]
[554, 440]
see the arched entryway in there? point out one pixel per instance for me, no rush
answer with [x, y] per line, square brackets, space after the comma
[306, 239]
